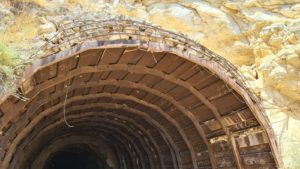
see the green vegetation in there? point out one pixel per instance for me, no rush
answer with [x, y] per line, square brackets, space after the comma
[11, 67]
[15, 42]
[6, 55]
[7, 69]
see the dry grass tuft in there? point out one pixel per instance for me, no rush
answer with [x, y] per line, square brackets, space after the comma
[24, 28]
[12, 38]
[6, 55]
[11, 67]
[7, 73]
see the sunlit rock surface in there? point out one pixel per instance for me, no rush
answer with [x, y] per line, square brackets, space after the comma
[261, 37]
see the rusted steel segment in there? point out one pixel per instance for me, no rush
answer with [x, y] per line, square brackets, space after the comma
[128, 84]
[100, 105]
[136, 69]
[51, 123]
[118, 132]
[111, 106]
[44, 123]
[170, 71]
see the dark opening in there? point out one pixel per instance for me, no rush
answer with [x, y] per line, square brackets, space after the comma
[75, 157]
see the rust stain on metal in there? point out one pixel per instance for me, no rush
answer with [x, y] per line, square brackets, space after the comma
[178, 103]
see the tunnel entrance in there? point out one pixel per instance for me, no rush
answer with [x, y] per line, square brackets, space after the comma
[141, 96]
[75, 157]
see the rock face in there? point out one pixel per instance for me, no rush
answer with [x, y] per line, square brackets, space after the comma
[261, 37]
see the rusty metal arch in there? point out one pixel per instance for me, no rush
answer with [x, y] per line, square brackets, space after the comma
[130, 84]
[132, 38]
[115, 106]
[57, 121]
[121, 139]
[110, 124]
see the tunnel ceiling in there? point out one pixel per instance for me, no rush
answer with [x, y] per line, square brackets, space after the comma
[133, 96]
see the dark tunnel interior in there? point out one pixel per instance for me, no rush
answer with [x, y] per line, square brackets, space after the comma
[75, 157]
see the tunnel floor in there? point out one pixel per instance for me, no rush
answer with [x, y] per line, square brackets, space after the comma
[133, 96]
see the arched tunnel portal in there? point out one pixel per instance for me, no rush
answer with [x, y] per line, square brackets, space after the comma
[123, 94]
